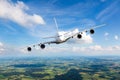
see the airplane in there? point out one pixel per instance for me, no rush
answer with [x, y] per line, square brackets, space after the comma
[62, 37]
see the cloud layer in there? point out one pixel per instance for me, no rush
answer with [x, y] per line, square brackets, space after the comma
[92, 50]
[16, 12]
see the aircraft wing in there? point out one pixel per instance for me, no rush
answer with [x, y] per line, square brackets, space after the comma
[79, 33]
[91, 30]
[42, 45]
[50, 42]
[94, 27]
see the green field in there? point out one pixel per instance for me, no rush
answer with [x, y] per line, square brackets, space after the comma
[60, 68]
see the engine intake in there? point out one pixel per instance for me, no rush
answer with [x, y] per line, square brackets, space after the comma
[79, 36]
[29, 48]
[92, 31]
[42, 46]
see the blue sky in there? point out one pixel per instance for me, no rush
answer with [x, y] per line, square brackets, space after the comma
[25, 22]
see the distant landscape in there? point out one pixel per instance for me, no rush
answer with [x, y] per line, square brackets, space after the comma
[60, 68]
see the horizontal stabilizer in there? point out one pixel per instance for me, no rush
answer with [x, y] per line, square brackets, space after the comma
[49, 37]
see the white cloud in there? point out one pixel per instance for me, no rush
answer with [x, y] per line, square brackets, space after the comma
[116, 37]
[97, 50]
[22, 50]
[1, 47]
[86, 38]
[84, 50]
[1, 44]
[88, 49]
[106, 35]
[117, 47]
[17, 12]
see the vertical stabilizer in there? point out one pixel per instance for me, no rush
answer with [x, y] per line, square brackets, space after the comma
[56, 25]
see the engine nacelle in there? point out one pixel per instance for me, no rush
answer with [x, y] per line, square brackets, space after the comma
[42, 46]
[29, 48]
[92, 31]
[79, 36]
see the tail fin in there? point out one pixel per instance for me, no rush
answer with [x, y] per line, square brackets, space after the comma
[56, 25]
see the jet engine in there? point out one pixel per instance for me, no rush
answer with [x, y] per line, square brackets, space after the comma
[42, 46]
[29, 48]
[79, 36]
[92, 31]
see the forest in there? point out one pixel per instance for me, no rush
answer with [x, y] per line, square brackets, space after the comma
[60, 68]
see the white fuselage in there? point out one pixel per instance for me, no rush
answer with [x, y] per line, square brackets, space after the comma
[64, 36]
